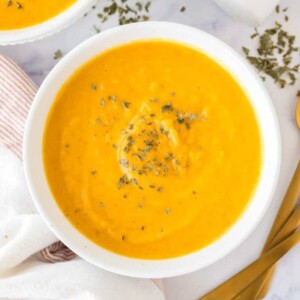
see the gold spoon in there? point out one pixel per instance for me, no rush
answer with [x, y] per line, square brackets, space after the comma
[285, 216]
[294, 222]
[266, 281]
[226, 290]
[298, 112]
[259, 288]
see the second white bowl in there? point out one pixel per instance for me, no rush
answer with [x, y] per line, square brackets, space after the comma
[47, 28]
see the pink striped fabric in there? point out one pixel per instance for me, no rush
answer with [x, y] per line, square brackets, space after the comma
[56, 252]
[16, 94]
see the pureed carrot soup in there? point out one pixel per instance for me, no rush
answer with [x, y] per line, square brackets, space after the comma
[24, 13]
[147, 150]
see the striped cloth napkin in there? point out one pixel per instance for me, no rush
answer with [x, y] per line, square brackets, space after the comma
[16, 94]
[22, 231]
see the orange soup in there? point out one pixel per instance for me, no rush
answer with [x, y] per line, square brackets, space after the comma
[24, 13]
[147, 150]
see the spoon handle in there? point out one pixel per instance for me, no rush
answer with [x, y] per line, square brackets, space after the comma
[298, 112]
[287, 206]
[259, 288]
[230, 288]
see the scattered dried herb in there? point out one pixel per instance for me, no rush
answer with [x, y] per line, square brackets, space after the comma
[246, 50]
[138, 151]
[125, 11]
[124, 162]
[139, 156]
[192, 116]
[147, 6]
[112, 98]
[126, 104]
[184, 118]
[168, 211]
[122, 181]
[9, 3]
[19, 5]
[275, 53]
[102, 102]
[155, 100]
[167, 107]
[254, 35]
[96, 28]
[58, 54]
[183, 9]
[133, 181]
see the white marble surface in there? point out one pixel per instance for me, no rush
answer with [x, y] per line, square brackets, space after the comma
[37, 59]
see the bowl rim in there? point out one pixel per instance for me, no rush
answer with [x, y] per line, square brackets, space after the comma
[166, 267]
[47, 28]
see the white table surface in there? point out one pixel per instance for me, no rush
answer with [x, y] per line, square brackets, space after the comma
[37, 59]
